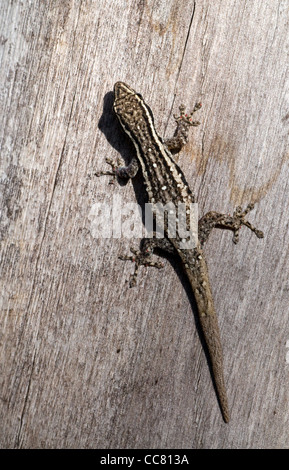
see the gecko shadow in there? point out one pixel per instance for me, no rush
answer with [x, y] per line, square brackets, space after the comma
[109, 125]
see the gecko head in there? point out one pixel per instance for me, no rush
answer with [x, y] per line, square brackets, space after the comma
[122, 91]
[128, 105]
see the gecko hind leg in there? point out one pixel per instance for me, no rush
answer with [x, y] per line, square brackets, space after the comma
[216, 220]
[144, 256]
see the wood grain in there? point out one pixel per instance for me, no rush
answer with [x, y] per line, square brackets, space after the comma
[87, 362]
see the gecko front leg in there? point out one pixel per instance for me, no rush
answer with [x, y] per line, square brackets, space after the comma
[119, 171]
[184, 122]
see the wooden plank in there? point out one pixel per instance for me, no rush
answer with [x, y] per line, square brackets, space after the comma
[86, 361]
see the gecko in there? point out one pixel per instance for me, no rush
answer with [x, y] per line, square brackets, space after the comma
[165, 183]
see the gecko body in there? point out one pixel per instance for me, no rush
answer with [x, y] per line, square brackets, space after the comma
[165, 183]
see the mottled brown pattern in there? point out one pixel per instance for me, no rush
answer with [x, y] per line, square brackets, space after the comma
[166, 183]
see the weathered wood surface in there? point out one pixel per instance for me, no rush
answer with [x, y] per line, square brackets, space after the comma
[86, 361]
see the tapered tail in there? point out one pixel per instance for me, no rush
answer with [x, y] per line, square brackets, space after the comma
[198, 276]
[211, 333]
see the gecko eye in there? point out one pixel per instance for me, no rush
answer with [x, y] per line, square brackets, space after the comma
[138, 94]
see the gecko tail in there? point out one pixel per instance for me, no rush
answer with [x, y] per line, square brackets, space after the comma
[199, 280]
[210, 328]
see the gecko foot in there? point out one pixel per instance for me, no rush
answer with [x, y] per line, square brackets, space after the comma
[140, 258]
[238, 220]
[114, 172]
[187, 118]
